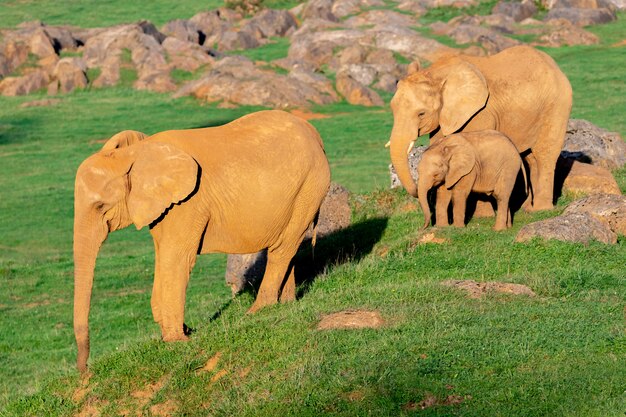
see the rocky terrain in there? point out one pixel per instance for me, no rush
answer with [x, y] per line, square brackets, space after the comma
[338, 50]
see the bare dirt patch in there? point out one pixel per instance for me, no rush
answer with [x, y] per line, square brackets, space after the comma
[211, 364]
[165, 409]
[41, 103]
[219, 375]
[432, 401]
[351, 319]
[356, 395]
[307, 115]
[431, 238]
[478, 289]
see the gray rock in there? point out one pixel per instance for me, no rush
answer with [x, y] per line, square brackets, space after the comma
[517, 10]
[415, 156]
[70, 73]
[607, 207]
[355, 92]
[269, 23]
[589, 143]
[491, 40]
[582, 17]
[183, 30]
[321, 9]
[572, 227]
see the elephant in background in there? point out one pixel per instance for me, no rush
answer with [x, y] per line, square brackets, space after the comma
[123, 139]
[482, 162]
[520, 92]
[255, 183]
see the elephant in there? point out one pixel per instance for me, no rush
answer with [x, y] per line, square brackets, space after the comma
[519, 91]
[482, 162]
[255, 183]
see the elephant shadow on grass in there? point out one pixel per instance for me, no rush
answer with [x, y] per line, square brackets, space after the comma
[339, 247]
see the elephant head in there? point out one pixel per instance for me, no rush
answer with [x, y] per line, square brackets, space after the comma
[114, 188]
[446, 161]
[123, 139]
[445, 95]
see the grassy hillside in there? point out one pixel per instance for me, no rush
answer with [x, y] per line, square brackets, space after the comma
[561, 353]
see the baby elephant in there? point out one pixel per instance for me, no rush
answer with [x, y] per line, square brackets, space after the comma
[483, 162]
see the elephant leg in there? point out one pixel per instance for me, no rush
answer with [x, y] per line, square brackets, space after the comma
[175, 269]
[155, 301]
[533, 179]
[288, 293]
[502, 215]
[277, 265]
[459, 204]
[441, 206]
[546, 152]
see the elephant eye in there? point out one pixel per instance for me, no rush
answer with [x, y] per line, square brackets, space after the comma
[421, 114]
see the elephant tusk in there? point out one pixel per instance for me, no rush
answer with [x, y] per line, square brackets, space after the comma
[388, 144]
[408, 150]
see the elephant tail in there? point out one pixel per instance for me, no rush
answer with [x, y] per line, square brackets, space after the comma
[526, 185]
[315, 222]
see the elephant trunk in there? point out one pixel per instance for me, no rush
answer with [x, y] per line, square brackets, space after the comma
[89, 233]
[402, 137]
[424, 187]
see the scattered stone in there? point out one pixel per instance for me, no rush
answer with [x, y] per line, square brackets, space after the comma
[415, 156]
[351, 319]
[383, 18]
[490, 39]
[584, 178]
[572, 227]
[586, 142]
[609, 208]
[270, 23]
[563, 32]
[478, 289]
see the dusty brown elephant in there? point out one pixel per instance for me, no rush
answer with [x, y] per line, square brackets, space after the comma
[481, 162]
[520, 92]
[251, 184]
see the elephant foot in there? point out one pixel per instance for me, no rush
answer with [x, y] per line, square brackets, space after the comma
[257, 305]
[531, 208]
[286, 297]
[180, 335]
[499, 228]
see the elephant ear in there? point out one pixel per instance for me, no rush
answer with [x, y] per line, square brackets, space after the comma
[464, 93]
[123, 139]
[160, 176]
[461, 158]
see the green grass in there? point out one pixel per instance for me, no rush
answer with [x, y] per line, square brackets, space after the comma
[562, 353]
[94, 13]
[277, 48]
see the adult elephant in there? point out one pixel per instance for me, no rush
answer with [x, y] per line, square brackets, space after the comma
[520, 92]
[251, 184]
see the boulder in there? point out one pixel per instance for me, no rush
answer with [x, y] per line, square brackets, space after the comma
[40, 44]
[609, 208]
[490, 39]
[13, 53]
[362, 73]
[583, 4]
[355, 92]
[516, 10]
[236, 80]
[587, 142]
[415, 157]
[70, 73]
[343, 8]
[381, 17]
[186, 56]
[335, 214]
[581, 178]
[572, 227]
[412, 6]
[562, 32]
[582, 17]
[29, 83]
[320, 9]
[183, 30]
[270, 23]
